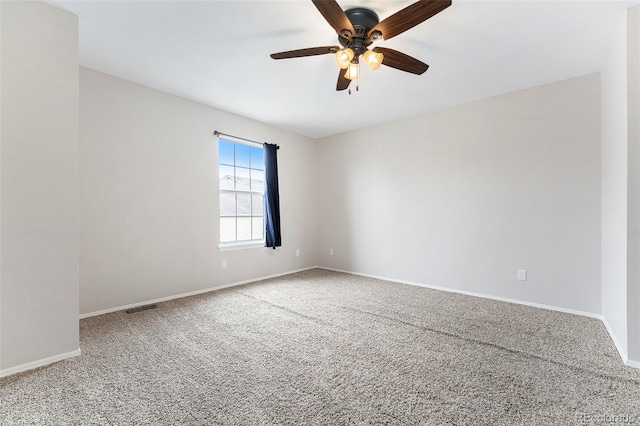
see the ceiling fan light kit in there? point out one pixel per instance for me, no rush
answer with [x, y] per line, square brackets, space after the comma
[353, 72]
[344, 57]
[374, 59]
[357, 28]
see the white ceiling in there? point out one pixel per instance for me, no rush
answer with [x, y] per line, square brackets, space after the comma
[217, 53]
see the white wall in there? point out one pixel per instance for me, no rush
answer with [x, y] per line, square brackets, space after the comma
[1, 19]
[39, 185]
[633, 187]
[621, 188]
[463, 197]
[149, 196]
[614, 188]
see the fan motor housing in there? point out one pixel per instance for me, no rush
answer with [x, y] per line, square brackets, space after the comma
[362, 19]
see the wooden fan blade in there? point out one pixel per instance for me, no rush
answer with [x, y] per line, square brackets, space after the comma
[311, 51]
[343, 82]
[335, 16]
[409, 17]
[400, 61]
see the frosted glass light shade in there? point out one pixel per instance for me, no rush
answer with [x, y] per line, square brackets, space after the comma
[374, 59]
[344, 57]
[353, 71]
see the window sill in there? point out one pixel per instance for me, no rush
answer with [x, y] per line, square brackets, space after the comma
[241, 246]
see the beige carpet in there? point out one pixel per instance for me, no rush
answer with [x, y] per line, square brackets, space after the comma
[323, 348]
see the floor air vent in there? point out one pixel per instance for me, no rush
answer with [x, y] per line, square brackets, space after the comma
[140, 308]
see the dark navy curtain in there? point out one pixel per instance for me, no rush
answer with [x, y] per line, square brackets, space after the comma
[271, 196]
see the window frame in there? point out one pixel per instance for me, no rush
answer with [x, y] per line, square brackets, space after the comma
[240, 244]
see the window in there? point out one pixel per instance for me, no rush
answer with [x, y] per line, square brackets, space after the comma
[241, 178]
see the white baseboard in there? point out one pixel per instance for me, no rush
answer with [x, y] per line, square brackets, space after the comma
[191, 293]
[621, 352]
[470, 293]
[39, 363]
[634, 364]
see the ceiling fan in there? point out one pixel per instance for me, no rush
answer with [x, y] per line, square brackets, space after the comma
[357, 28]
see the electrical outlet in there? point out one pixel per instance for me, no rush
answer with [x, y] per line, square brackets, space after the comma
[297, 252]
[223, 264]
[330, 252]
[522, 274]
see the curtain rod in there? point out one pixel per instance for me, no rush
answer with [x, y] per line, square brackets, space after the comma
[217, 133]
